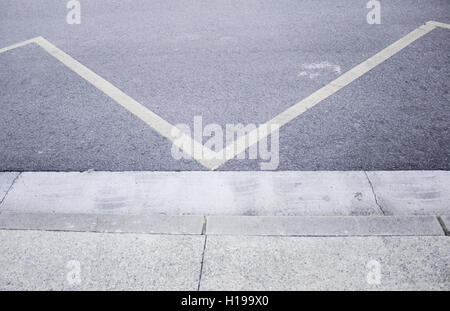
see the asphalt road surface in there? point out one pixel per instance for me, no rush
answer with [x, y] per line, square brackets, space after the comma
[229, 62]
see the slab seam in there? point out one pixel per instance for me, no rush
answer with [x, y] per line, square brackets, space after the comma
[205, 221]
[443, 225]
[374, 194]
[9, 189]
[201, 265]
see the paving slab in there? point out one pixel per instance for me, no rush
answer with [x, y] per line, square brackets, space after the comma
[194, 193]
[324, 225]
[154, 224]
[412, 192]
[48, 221]
[6, 180]
[41, 260]
[326, 263]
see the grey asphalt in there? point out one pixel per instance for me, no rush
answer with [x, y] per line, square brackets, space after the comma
[230, 62]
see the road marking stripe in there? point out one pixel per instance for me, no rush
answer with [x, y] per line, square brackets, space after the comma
[331, 88]
[153, 120]
[211, 159]
[438, 24]
[17, 45]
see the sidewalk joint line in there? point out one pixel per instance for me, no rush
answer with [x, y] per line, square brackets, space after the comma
[201, 265]
[205, 221]
[9, 189]
[374, 194]
[443, 225]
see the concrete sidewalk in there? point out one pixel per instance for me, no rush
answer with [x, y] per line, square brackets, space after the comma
[49, 260]
[201, 230]
[290, 193]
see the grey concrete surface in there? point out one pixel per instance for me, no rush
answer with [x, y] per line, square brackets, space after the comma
[324, 226]
[414, 193]
[39, 260]
[159, 224]
[43, 260]
[325, 263]
[151, 224]
[226, 225]
[48, 221]
[230, 62]
[194, 193]
[6, 181]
